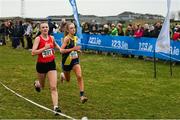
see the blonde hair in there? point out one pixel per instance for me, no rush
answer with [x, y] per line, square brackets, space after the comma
[66, 32]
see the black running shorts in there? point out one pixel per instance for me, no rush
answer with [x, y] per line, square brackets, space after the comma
[69, 67]
[45, 67]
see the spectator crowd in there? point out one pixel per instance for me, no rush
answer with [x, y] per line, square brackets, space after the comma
[18, 31]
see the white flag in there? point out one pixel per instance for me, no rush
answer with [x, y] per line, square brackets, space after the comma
[163, 40]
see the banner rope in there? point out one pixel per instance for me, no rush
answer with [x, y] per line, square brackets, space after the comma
[41, 106]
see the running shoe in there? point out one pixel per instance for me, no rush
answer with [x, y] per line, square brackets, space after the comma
[57, 110]
[83, 99]
[37, 86]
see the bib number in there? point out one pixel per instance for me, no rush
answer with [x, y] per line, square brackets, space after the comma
[47, 53]
[73, 55]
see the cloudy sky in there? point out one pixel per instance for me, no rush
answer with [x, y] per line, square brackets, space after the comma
[44, 8]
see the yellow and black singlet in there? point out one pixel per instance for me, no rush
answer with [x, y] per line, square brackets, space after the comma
[71, 58]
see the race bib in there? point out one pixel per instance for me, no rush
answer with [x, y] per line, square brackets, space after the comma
[73, 55]
[47, 53]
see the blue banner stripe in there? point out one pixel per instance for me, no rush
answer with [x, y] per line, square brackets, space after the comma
[124, 44]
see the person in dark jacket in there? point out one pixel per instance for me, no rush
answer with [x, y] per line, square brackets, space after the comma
[51, 27]
[17, 34]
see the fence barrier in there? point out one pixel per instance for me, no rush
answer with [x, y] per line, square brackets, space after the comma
[124, 45]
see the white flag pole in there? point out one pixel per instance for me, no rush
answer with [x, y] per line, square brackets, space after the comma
[163, 40]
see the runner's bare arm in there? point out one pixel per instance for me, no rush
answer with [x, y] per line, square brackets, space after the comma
[55, 44]
[63, 50]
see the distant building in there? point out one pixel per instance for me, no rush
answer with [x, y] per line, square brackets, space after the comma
[125, 16]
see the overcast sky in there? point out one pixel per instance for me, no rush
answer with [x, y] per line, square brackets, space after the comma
[44, 8]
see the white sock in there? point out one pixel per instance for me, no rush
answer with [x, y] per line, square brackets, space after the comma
[55, 107]
[37, 84]
[62, 75]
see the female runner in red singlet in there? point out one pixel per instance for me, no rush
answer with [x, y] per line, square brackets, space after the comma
[44, 46]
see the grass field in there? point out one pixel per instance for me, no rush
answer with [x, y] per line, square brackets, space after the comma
[117, 88]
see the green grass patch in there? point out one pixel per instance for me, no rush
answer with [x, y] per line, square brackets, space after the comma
[117, 88]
